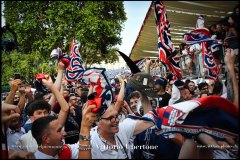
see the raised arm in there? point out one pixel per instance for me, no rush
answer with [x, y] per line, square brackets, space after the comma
[22, 100]
[29, 94]
[62, 117]
[88, 118]
[58, 82]
[229, 61]
[143, 125]
[61, 70]
[121, 94]
[148, 64]
[14, 84]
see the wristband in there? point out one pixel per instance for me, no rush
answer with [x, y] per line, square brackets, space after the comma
[84, 138]
[84, 147]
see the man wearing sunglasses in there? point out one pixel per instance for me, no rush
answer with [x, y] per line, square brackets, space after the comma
[111, 139]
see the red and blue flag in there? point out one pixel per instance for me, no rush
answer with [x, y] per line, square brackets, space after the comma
[75, 69]
[167, 53]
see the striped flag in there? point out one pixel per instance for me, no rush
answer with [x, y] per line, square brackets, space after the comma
[203, 36]
[213, 115]
[197, 36]
[209, 62]
[75, 69]
[102, 91]
[167, 53]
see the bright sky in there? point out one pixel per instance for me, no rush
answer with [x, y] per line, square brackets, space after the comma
[2, 18]
[135, 12]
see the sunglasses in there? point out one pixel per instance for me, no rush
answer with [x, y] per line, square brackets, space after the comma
[112, 118]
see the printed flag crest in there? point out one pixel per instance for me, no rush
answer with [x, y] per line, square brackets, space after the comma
[75, 69]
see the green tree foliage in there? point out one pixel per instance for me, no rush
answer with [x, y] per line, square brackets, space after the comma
[42, 26]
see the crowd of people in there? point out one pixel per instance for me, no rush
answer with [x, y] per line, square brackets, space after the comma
[59, 123]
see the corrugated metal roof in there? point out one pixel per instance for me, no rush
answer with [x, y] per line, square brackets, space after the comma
[182, 16]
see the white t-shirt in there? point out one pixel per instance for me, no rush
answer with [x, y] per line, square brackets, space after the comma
[195, 47]
[187, 57]
[74, 150]
[99, 151]
[27, 142]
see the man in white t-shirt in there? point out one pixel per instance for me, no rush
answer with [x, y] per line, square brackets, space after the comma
[110, 139]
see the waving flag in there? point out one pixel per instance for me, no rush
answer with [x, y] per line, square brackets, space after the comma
[209, 62]
[102, 94]
[75, 69]
[197, 36]
[203, 36]
[167, 53]
[213, 115]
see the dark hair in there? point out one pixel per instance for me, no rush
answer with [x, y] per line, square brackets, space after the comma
[187, 81]
[84, 96]
[38, 104]
[202, 85]
[134, 94]
[218, 87]
[38, 96]
[170, 77]
[116, 80]
[162, 82]
[39, 126]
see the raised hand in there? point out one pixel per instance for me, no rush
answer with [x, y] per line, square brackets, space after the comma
[229, 58]
[28, 89]
[61, 66]
[21, 90]
[47, 81]
[14, 84]
[88, 117]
